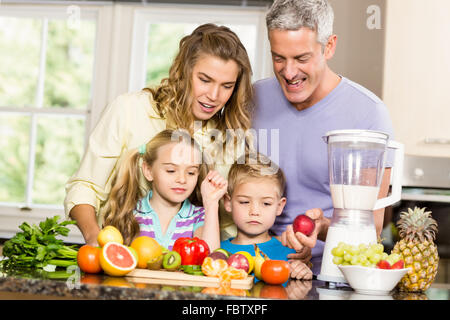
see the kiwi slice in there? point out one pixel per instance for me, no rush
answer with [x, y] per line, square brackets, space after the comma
[171, 260]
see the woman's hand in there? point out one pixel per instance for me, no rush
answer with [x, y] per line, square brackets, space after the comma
[301, 243]
[213, 188]
[84, 215]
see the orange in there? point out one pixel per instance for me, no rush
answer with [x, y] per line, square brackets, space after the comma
[116, 259]
[231, 273]
[212, 268]
[109, 234]
[147, 248]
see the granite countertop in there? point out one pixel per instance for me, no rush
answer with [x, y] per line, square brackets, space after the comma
[101, 287]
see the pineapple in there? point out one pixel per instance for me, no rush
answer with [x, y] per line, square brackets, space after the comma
[417, 231]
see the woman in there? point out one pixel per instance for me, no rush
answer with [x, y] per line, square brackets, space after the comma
[208, 91]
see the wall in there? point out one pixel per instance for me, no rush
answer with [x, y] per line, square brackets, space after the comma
[416, 71]
[359, 53]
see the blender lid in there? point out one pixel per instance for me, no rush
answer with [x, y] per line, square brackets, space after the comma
[357, 135]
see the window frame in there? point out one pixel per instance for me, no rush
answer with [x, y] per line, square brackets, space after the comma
[13, 214]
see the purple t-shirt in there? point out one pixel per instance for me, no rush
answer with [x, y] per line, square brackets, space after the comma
[300, 149]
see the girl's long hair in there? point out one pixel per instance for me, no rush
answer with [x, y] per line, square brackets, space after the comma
[126, 190]
[173, 96]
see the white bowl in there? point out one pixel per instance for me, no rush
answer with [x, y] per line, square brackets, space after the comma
[373, 281]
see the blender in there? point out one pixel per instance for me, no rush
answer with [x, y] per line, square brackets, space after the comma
[356, 161]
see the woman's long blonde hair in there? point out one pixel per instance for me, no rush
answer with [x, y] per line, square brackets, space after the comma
[173, 96]
[126, 190]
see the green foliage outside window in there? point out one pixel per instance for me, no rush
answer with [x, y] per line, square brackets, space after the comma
[67, 84]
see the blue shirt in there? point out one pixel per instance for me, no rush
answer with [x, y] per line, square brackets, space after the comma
[183, 224]
[272, 248]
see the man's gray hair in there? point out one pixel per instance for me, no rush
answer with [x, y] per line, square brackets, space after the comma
[316, 15]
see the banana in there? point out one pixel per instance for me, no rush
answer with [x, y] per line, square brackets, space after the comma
[260, 257]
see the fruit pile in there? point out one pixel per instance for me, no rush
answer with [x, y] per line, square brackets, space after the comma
[371, 255]
[190, 255]
[236, 266]
[112, 257]
[226, 266]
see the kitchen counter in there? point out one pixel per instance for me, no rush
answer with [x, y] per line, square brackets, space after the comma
[33, 285]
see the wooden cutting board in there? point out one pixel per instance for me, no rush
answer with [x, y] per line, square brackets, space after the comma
[179, 278]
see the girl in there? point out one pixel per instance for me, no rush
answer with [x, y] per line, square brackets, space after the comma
[175, 172]
[208, 91]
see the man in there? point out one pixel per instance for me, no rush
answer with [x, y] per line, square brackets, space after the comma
[304, 101]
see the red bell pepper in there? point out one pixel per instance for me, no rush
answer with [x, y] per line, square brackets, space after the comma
[192, 250]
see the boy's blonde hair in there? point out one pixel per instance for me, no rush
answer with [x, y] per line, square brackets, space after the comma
[126, 192]
[255, 165]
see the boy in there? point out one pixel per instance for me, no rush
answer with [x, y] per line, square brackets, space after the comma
[255, 199]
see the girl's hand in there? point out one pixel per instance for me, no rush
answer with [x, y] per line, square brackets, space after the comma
[299, 270]
[213, 188]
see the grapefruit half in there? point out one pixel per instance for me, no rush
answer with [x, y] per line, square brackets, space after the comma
[116, 259]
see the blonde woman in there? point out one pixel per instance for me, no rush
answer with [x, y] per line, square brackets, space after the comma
[208, 91]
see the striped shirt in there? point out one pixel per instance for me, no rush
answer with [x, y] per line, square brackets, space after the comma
[183, 224]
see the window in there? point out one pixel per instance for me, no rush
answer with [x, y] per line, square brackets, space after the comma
[46, 67]
[158, 30]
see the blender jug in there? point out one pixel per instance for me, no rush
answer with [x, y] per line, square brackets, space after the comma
[356, 160]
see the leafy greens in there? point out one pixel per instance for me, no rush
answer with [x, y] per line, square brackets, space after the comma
[37, 246]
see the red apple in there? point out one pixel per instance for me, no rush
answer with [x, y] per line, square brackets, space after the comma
[304, 224]
[239, 261]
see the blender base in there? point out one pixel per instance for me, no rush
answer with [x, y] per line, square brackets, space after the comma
[331, 279]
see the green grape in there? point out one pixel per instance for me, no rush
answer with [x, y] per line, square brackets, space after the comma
[354, 260]
[366, 263]
[393, 258]
[337, 251]
[384, 256]
[379, 248]
[333, 251]
[345, 263]
[362, 247]
[354, 250]
[338, 260]
[341, 245]
[366, 254]
[375, 258]
[347, 257]
[362, 258]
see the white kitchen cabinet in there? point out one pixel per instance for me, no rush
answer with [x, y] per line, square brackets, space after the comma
[416, 85]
